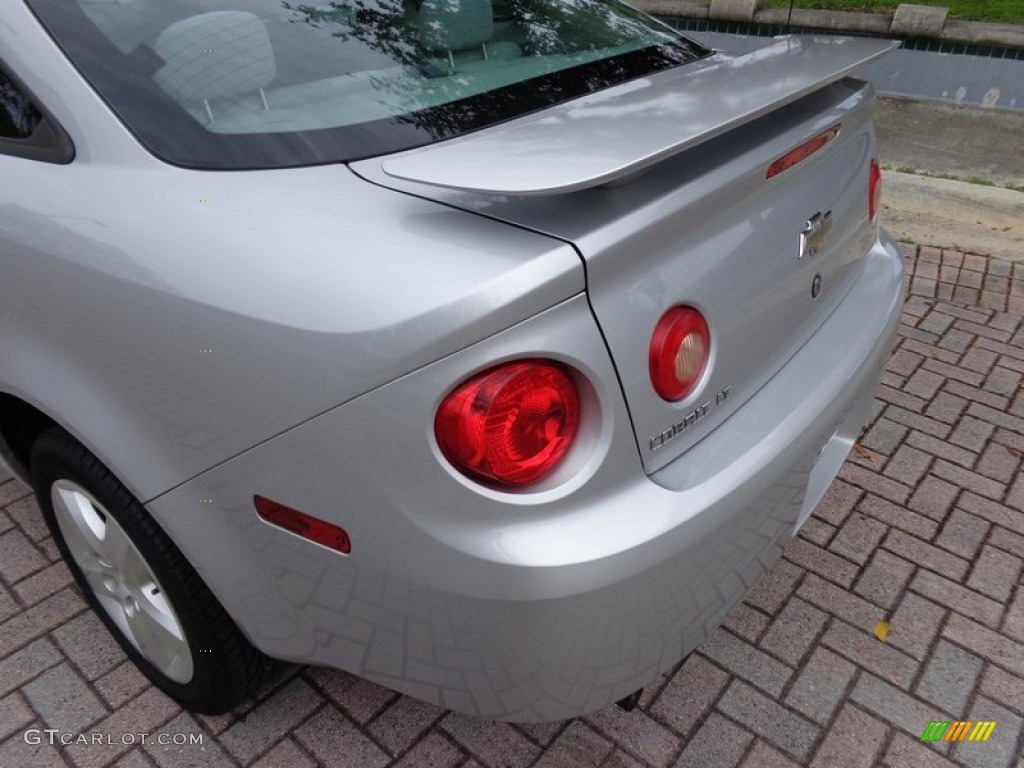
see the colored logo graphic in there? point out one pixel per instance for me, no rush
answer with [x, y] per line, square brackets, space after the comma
[958, 730]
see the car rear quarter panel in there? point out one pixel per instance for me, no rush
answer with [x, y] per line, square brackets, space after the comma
[171, 318]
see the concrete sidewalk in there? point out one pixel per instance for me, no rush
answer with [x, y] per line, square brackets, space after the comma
[924, 529]
[952, 139]
[928, 150]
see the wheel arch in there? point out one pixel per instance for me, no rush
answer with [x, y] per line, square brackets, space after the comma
[23, 421]
[21, 424]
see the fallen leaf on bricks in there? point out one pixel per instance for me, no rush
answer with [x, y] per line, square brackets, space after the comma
[882, 631]
[863, 452]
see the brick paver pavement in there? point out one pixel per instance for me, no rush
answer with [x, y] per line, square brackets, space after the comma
[924, 528]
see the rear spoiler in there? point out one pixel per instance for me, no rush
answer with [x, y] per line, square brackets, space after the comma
[611, 134]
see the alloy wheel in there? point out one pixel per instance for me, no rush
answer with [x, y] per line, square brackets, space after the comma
[121, 580]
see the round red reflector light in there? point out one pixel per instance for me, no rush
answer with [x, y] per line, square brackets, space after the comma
[511, 424]
[680, 348]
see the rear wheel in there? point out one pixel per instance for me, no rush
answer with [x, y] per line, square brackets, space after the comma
[150, 598]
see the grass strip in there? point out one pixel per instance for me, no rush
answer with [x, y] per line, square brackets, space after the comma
[998, 11]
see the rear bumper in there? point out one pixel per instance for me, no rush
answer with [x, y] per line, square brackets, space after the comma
[545, 605]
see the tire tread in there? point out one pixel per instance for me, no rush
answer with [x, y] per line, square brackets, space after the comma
[241, 668]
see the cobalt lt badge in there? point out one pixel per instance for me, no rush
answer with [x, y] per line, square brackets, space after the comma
[815, 234]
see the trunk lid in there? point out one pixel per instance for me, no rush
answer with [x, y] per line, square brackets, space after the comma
[661, 186]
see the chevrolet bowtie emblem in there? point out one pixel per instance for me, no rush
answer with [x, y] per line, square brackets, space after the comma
[815, 234]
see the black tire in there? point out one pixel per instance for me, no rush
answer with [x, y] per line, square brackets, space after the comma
[223, 675]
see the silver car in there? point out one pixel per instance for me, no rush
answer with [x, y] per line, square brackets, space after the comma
[487, 350]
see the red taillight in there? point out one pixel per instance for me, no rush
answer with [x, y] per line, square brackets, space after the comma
[874, 190]
[301, 524]
[680, 348]
[510, 424]
[802, 152]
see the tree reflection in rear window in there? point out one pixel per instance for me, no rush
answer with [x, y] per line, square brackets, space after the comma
[270, 83]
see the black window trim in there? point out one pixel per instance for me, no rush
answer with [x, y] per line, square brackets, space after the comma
[49, 142]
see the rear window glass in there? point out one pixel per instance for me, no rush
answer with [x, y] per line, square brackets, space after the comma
[270, 83]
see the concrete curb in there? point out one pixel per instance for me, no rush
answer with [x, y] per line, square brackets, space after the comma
[916, 21]
[919, 20]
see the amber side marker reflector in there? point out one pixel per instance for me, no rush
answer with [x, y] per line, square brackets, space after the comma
[301, 524]
[802, 152]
